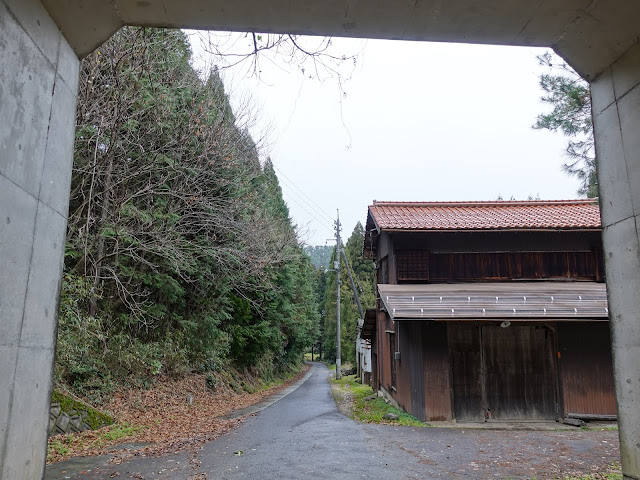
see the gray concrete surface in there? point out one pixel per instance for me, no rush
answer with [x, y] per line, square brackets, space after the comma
[38, 84]
[304, 436]
[589, 34]
[267, 402]
[616, 115]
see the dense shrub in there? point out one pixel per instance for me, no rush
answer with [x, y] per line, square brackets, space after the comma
[180, 251]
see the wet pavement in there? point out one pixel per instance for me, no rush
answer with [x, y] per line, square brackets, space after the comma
[303, 435]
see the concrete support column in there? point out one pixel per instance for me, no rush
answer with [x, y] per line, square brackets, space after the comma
[38, 86]
[616, 115]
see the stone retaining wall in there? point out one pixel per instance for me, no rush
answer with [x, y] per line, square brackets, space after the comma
[71, 421]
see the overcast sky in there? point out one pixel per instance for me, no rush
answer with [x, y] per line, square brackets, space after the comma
[420, 122]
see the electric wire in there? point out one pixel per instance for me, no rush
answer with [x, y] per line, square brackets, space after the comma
[293, 192]
[320, 222]
[317, 207]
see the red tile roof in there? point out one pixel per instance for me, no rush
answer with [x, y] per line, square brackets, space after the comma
[496, 215]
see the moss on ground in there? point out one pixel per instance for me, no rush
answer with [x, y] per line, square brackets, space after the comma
[92, 417]
[367, 408]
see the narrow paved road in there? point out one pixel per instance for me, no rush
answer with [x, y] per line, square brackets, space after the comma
[304, 436]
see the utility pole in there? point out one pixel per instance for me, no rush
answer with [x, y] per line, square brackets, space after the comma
[357, 297]
[337, 269]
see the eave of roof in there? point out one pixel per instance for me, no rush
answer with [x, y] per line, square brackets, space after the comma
[369, 323]
[517, 301]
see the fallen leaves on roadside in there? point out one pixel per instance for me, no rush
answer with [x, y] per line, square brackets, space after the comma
[173, 415]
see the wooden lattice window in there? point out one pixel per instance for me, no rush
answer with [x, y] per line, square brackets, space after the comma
[413, 265]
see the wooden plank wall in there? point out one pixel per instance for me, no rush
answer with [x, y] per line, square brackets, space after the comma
[414, 353]
[450, 370]
[499, 241]
[423, 371]
[472, 256]
[586, 368]
[437, 386]
[466, 363]
[405, 367]
[420, 266]
[375, 375]
[508, 370]
[520, 381]
[383, 350]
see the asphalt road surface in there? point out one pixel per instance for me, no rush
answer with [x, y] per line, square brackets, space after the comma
[303, 436]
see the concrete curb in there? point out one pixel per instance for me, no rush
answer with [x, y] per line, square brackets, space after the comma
[258, 407]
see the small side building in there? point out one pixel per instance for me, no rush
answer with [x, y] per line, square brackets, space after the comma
[490, 310]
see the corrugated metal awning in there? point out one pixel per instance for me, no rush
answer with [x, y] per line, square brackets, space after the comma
[518, 301]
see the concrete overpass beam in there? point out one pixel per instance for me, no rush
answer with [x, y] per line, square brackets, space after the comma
[616, 115]
[38, 86]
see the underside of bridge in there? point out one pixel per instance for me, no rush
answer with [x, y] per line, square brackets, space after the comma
[41, 41]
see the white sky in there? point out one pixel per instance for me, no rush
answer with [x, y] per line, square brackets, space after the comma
[420, 122]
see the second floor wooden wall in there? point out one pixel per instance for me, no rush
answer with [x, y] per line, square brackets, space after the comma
[441, 257]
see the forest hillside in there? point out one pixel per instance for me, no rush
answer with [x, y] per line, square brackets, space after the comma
[180, 256]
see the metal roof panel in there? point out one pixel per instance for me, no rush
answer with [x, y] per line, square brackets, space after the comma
[519, 301]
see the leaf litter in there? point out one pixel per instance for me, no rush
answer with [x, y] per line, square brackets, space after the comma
[171, 416]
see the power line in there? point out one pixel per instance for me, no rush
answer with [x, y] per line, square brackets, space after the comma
[304, 201]
[291, 188]
[320, 222]
[317, 207]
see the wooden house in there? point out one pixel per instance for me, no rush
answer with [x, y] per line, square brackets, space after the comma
[490, 310]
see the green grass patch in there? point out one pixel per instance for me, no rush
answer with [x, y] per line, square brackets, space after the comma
[366, 409]
[57, 446]
[118, 432]
[598, 476]
[73, 444]
[600, 429]
[280, 378]
[613, 472]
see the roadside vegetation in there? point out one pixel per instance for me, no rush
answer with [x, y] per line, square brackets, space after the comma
[171, 415]
[599, 428]
[180, 257]
[614, 473]
[364, 279]
[360, 402]
[186, 289]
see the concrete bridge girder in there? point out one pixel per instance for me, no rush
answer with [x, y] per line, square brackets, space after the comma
[589, 34]
[40, 42]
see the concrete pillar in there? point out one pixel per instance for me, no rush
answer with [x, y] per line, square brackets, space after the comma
[616, 115]
[38, 86]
